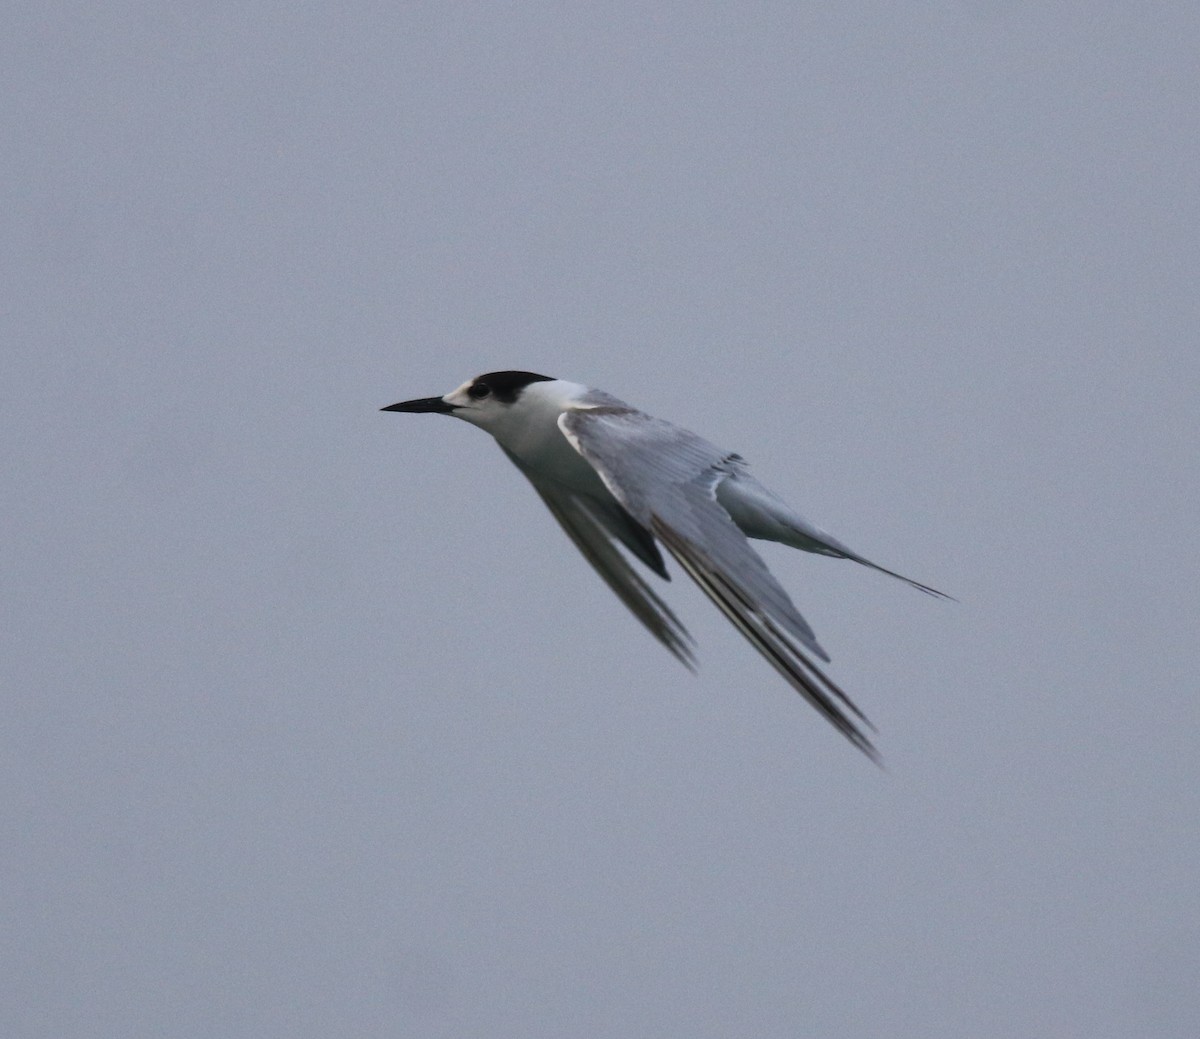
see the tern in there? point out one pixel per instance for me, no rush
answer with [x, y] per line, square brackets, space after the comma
[611, 474]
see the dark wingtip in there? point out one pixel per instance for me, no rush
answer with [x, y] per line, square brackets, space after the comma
[780, 650]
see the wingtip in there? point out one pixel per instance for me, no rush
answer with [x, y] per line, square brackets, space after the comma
[781, 651]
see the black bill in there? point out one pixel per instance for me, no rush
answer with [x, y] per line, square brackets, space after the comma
[435, 404]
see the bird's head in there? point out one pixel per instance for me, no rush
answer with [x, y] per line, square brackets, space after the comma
[497, 401]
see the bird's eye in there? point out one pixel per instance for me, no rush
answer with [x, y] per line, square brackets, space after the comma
[479, 390]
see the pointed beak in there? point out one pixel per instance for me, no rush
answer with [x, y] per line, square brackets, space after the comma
[434, 404]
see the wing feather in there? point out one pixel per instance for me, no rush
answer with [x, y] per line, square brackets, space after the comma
[765, 636]
[590, 536]
[666, 478]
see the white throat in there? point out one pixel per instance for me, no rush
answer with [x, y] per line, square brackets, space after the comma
[529, 429]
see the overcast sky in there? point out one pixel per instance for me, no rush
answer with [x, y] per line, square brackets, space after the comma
[315, 725]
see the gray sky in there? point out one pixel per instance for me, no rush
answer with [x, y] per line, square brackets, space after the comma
[314, 723]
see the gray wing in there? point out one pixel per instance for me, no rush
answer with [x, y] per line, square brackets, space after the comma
[592, 531]
[667, 479]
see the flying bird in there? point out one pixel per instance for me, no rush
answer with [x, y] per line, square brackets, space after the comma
[611, 474]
